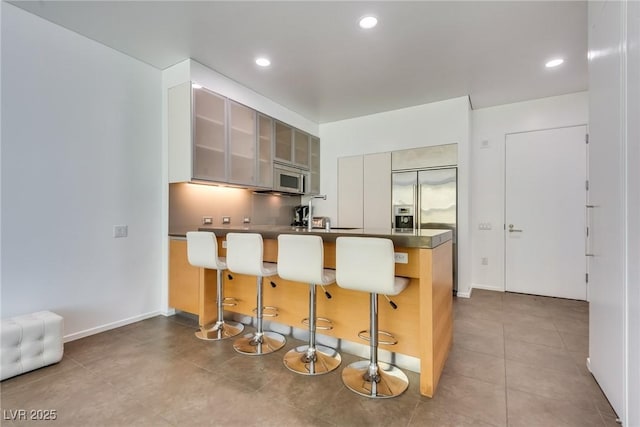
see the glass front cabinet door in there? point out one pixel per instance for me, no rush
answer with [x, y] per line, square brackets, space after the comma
[242, 144]
[209, 136]
[265, 151]
[314, 167]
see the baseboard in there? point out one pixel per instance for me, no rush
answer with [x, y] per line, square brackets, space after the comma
[109, 326]
[487, 287]
[464, 294]
[168, 312]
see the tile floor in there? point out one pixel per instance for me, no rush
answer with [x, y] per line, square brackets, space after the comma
[517, 360]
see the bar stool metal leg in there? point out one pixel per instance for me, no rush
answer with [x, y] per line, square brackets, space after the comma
[221, 329]
[371, 378]
[312, 359]
[259, 342]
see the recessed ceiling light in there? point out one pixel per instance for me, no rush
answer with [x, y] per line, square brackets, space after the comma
[196, 86]
[263, 62]
[368, 22]
[554, 63]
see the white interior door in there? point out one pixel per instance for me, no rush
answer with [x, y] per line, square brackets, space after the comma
[545, 198]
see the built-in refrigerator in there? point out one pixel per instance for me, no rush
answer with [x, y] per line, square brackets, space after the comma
[424, 199]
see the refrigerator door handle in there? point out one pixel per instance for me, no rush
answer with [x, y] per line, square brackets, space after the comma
[417, 211]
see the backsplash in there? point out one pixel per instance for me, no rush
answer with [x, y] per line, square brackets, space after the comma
[188, 203]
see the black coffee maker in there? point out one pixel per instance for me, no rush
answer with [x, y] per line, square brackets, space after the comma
[300, 216]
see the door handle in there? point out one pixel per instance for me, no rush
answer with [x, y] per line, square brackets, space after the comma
[512, 230]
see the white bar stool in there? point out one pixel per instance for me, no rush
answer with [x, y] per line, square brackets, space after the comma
[367, 264]
[202, 251]
[245, 256]
[301, 259]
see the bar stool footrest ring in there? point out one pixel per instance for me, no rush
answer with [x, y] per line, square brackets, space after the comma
[366, 335]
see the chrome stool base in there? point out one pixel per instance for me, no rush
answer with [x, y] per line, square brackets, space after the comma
[254, 344]
[300, 360]
[391, 381]
[220, 331]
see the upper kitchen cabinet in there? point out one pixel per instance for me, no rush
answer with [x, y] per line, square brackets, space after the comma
[292, 146]
[314, 166]
[214, 139]
[242, 144]
[284, 142]
[301, 149]
[209, 136]
[265, 151]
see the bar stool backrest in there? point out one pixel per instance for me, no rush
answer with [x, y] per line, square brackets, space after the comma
[366, 264]
[245, 253]
[301, 258]
[202, 250]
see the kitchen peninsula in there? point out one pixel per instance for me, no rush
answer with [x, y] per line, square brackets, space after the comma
[422, 322]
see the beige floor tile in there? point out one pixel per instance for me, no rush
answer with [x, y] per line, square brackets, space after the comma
[540, 356]
[10, 385]
[572, 388]
[493, 345]
[525, 333]
[479, 327]
[575, 342]
[530, 410]
[471, 398]
[476, 365]
[427, 415]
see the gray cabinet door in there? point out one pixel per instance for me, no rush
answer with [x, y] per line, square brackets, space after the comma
[209, 136]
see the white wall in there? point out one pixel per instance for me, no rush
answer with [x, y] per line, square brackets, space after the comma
[487, 176]
[81, 152]
[437, 123]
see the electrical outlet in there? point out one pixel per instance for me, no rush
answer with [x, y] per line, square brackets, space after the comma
[207, 220]
[224, 244]
[120, 231]
[226, 220]
[484, 260]
[401, 257]
[246, 220]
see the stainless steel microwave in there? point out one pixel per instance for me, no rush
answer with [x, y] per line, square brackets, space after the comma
[289, 180]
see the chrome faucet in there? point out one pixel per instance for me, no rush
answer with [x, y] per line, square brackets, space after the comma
[309, 220]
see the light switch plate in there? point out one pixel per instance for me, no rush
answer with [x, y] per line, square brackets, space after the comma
[120, 231]
[401, 257]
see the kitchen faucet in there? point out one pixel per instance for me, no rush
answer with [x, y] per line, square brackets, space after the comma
[309, 220]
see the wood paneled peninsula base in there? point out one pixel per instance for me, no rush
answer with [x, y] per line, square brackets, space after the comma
[422, 324]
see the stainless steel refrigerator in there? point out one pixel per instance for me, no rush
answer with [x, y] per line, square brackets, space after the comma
[427, 199]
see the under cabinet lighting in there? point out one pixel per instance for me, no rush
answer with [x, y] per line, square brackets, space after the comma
[196, 86]
[368, 22]
[263, 62]
[554, 63]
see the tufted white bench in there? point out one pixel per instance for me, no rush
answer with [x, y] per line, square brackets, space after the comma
[29, 342]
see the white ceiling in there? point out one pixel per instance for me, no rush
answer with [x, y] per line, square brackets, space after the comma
[326, 68]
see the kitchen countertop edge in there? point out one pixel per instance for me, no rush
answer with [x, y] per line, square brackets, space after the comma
[423, 239]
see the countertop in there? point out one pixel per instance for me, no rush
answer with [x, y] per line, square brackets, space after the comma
[426, 239]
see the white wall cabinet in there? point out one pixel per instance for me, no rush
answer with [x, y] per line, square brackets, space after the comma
[377, 190]
[364, 191]
[350, 191]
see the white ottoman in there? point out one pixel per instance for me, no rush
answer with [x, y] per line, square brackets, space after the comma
[29, 342]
